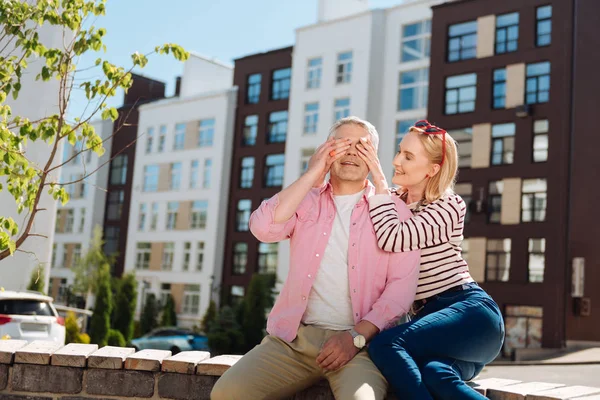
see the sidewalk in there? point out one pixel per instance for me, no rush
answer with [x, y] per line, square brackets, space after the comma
[575, 356]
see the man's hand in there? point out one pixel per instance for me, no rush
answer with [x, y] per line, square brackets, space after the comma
[337, 352]
[325, 155]
[367, 152]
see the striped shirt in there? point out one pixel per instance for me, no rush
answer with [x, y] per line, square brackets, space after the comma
[436, 229]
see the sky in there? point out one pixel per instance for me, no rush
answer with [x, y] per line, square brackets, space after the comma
[221, 29]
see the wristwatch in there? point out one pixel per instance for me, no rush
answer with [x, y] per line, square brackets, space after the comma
[358, 339]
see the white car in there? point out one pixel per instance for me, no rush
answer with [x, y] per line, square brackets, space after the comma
[30, 316]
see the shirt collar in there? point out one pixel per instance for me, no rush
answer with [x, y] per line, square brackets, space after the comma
[369, 189]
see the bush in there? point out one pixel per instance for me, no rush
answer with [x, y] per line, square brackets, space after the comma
[253, 317]
[149, 318]
[115, 338]
[210, 317]
[37, 280]
[225, 335]
[72, 333]
[84, 338]
[100, 323]
[169, 316]
[125, 304]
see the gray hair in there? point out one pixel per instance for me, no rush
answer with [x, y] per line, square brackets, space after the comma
[366, 125]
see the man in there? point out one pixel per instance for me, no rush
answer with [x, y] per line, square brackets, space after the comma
[341, 288]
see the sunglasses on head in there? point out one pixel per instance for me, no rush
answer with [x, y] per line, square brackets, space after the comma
[429, 129]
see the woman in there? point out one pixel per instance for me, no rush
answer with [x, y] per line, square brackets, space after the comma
[456, 327]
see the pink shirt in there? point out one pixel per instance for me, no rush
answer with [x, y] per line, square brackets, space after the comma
[382, 284]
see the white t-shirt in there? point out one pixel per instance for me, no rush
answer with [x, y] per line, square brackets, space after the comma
[329, 304]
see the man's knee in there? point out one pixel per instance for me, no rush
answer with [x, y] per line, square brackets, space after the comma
[227, 389]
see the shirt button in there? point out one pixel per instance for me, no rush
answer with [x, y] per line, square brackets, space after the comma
[354, 290]
[324, 233]
[354, 223]
[309, 275]
[353, 244]
[356, 314]
[303, 297]
[354, 266]
[317, 254]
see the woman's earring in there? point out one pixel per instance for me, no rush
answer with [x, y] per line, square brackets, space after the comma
[427, 176]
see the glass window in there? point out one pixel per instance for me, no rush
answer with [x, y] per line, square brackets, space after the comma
[402, 127]
[465, 190]
[253, 89]
[267, 258]
[187, 255]
[151, 178]
[313, 80]
[540, 140]
[461, 92]
[544, 26]
[503, 144]
[278, 124]
[537, 83]
[76, 254]
[167, 256]
[206, 181]
[162, 138]
[111, 239]
[274, 167]
[154, 217]
[175, 182]
[311, 118]
[305, 156]
[533, 200]
[499, 90]
[495, 201]
[199, 214]
[250, 130]
[172, 209]
[114, 208]
[497, 266]
[149, 140]
[118, 170]
[462, 41]
[412, 93]
[416, 41]
[280, 85]
[247, 172]
[243, 215]
[236, 295]
[464, 140]
[344, 67]
[341, 108]
[54, 258]
[537, 260]
[82, 220]
[206, 133]
[179, 141]
[191, 299]
[523, 328]
[70, 220]
[142, 255]
[240, 258]
[194, 174]
[507, 33]
[142, 217]
[165, 292]
[200, 256]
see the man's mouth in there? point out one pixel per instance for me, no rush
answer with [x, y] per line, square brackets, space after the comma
[349, 163]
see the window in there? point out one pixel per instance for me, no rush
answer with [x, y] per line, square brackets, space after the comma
[267, 258]
[461, 92]
[540, 140]
[278, 122]
[154, 217]
[465, 190]
[76, 254]
[207, 133]
[313, 80]
[533, 200]
[66, 262]
[503, 144]
[464, 141]
[237, 294]
[111, 239]
[207, 173]
[242, 216]
[344, 67]
[187, 255]
[167, 256]
[341, 108]
[191, 299]
[274, 165]
[250, 130]
[62, 291]
[70, 221]
[162, 138]
[305, 156]
[82, 220]
[253, 90]
[240, 258]
[199, 214]
[194, 175]
[175, 182]
[523, 328]
[172, 209]
[462, 41]
[149, 140]
[402, 127]
[179, 142]
[142, 255]
[142, 217]
[497, 266]
[247, 172]
[537, 260]
[537, 83]
[495, 201]
[151, 178]
[280, 85]
[311, 118]
[543, 31]
[414, 86]
[118, 170]
[53, 262]
[499, 90]
[165, 292]
[416, 41]
[507, 33]
[200, 256]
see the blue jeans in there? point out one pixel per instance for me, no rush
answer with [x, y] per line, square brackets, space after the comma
[448, 342]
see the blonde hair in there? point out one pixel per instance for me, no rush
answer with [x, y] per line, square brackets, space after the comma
[366, 125]
[442, 183]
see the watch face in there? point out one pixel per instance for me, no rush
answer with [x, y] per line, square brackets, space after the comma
[359, 341]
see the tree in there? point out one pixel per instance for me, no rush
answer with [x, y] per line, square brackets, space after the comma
[20, 41]
[225, 335]
[256, 302]
[115, 338]
[149, 318]
[72, 332]
[169, 316]
[100, 323]
[125, 304]
[209, 317]
[37, 281]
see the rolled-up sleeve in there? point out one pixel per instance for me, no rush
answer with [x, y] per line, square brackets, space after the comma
[263, 225]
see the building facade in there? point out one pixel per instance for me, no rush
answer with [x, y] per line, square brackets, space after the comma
[180, 189]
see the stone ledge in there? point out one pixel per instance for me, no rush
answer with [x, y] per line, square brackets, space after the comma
[46, 371]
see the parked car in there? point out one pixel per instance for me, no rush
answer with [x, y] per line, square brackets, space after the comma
[174, 339]
[30, 316]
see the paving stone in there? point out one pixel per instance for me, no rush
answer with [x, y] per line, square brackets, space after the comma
[73, 355]
[520, 390]
[564, 393]
[37, 352]
[184, 362]
[216, 366]
[8, 348]
[146, 360]
[109, 357]
[483, 385]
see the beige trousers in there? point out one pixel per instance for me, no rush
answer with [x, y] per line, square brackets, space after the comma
[276, 369]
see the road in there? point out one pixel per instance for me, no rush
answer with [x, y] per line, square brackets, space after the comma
[587, 375]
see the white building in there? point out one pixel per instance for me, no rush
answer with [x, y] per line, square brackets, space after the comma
[178, 211]
[75, 221]
[372, 64]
